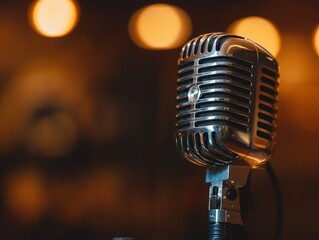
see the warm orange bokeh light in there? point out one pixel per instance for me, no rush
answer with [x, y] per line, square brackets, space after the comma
[25, 194]
[160, 26]
[316, 39]
[54, 18]
[260, 30]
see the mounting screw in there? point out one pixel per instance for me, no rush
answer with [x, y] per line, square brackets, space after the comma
[231, 194]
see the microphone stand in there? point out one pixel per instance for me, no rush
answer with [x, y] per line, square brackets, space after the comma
[224, 208]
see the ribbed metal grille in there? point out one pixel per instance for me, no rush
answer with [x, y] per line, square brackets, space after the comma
[268, 99]
[201, 147]
[225, 85]
[205, 43]
[227, 94]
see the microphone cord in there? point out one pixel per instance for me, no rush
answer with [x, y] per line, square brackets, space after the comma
[278, 200]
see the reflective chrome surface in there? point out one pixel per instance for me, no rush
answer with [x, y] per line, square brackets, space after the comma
[227, 97]
[224, 207]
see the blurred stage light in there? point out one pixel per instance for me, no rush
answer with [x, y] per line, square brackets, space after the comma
[25, 194]
[316, 39]
[258, 29]
[160, 26]
[46, 107]
[53, 135]
[54, 18]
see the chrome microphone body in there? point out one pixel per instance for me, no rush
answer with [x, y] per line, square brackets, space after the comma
[227, 95]
[227, 101]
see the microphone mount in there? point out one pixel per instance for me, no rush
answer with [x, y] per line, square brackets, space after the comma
[224, 208]
[224, 198]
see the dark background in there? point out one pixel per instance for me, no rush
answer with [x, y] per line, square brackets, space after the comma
[87, 128]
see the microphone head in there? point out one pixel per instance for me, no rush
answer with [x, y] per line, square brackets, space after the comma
[227, 96]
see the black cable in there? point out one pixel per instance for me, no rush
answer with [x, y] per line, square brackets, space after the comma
[278, 199]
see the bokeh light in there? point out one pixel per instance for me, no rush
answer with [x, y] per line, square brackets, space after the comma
[25, 194]
[160, 26]
[54, 18]
[260, 30]
[316, 39]
[54, 107]
[53, 135]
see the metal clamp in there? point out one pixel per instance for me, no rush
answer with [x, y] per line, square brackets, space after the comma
[224, 200]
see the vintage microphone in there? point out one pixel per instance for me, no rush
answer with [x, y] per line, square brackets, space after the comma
[227, 95]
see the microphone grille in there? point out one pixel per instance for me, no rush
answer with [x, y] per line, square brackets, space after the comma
[268, 99]
[205, 43]
[219, 90]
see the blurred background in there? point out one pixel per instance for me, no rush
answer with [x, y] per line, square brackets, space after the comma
[87, 115]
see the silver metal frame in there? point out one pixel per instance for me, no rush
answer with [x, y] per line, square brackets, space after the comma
[227, 101]
[223, 209]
